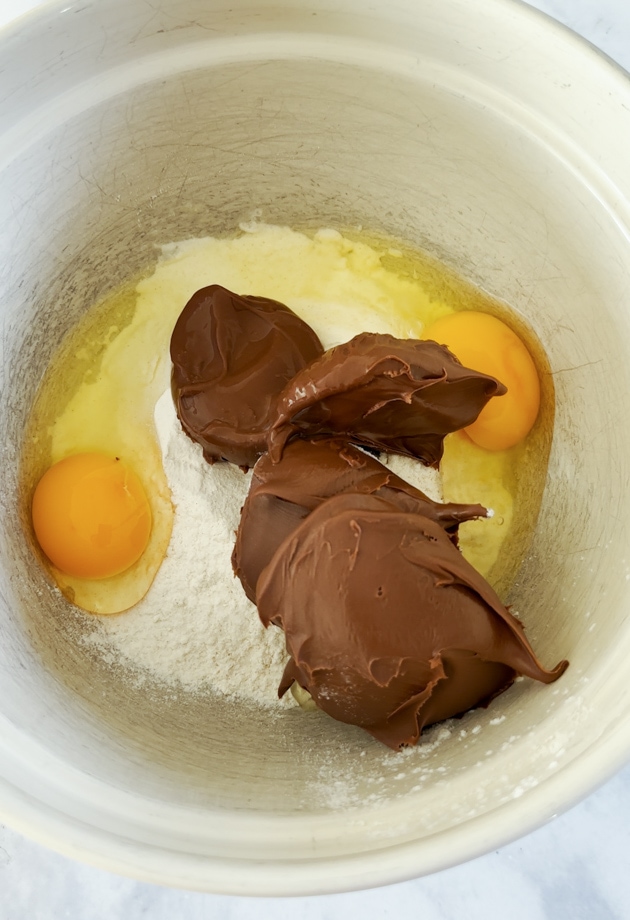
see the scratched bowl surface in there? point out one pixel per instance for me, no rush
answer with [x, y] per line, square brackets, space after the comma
[483, 133]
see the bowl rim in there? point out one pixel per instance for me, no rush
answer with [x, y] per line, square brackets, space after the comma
[399, 862]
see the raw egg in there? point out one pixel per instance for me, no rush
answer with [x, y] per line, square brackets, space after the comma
[91, 516]
[104, 534]
[104, 524]
[484, 343]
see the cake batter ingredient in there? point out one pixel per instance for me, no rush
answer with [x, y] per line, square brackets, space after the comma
[282, 494]
[469, 471]
[91, 516]
[339, 286]
[232, 355]
[388, 627]
[399, 395]
[484, 342]
[196, 630]
[117, 362]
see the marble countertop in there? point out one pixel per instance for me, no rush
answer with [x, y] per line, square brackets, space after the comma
[576, 867]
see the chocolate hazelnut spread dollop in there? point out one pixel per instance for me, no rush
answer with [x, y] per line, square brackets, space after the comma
[231, 357]
[281, 495]
[386, 624]
[400, 395]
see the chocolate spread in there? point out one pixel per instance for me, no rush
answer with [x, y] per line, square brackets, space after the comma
[386, 624]
[281, 495]
[400, 395]
[231, 358]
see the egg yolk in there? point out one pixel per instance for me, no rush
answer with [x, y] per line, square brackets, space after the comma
[91, 516]
[484, 343]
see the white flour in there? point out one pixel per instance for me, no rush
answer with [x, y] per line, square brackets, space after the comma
[196, 629]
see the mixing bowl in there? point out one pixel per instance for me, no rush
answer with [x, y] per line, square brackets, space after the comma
[482, 133]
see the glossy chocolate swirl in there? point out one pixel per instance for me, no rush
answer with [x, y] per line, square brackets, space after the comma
[281, 495]
[231, 357]
[388, 627]
[400, 395]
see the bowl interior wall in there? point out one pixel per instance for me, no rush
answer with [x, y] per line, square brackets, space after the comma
[316, 143]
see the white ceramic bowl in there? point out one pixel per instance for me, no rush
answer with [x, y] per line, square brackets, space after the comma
[481, 132]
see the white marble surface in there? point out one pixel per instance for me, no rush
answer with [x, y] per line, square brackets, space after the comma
[574, 868]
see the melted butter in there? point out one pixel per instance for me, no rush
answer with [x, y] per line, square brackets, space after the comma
[100, 392]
